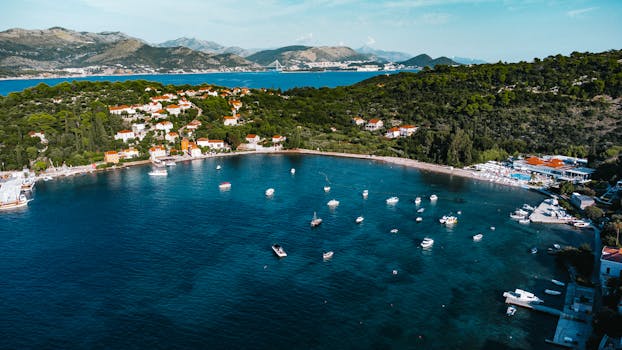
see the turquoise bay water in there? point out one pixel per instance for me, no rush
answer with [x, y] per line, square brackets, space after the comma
[123, 260]
[274, 80]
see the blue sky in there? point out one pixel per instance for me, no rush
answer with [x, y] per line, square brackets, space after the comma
[501, 30]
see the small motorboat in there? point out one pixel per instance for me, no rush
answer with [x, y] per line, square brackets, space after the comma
[478, 237]
[517, 216]
[359, 219]
[524, 221]
[170, 163]
[558, 283]
[552, 292]
[270, 192]
[279, 251]
[580, 223]
[418, 200]
[433, 197]
[365, 194]
[326, 189]
[327, 255]
[394, 230]
[218, 167]
[420, 210]
[158, 172]
[224, 186]
[492, 228]
[419, 219]
[557, 246]
[392, 200]
[315, 221]
[459, 212]
[292, 171]
[333, 203]
[448, 220]
[511, 310]
[533, 250]
[427, 242]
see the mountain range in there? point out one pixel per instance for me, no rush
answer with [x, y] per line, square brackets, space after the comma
[57, 48]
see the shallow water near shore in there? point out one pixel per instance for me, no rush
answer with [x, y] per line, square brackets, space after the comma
[124, 260]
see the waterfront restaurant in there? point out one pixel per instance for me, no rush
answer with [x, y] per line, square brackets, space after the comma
[560, 168]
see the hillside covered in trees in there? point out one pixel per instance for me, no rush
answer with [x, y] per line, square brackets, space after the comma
[466, 114]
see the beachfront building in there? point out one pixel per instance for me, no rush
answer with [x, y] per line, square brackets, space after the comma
[278, 139]
[581, 201]
[111, 157]
[610, 263]
[39, 134]
[203, 142]
[230, 120]
[216, 144]
[124, 135]
[374, 124]
[252, 139]
[358, 121]
[407, 130]
[392, 133]
[157, 151]
[194, 150]
[560, 168]
[129, 153]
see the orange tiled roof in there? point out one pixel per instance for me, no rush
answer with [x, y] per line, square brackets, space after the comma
[612, 254]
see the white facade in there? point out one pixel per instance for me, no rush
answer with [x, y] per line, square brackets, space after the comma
[157, 151]
[203, 142]
[217, 144]
[171, 136]
[581, 201]
[374, 124]
[173, 109]
[165, 126]
[230, 121]
[125, 135]
[407, 130]
[392, 133]
[194, 151]
[252, 138]
[610, 263]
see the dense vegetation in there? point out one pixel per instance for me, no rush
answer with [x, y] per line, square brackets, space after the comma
[558, 105]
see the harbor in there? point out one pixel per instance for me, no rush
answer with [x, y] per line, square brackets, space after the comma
[549, 212]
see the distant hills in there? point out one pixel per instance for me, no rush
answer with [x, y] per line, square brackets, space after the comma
[55, 49]
[424, 60]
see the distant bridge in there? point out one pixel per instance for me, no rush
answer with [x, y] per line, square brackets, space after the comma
[276, 65]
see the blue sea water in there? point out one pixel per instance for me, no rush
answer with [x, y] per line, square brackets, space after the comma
[123, 260]
[274, 80]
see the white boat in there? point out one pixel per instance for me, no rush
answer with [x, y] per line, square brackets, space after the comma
[517, 216]
[419, 219]
[580, 223]
[269, 192]
[420, 210]
[478, 237]
[418, 200]
[279, 251]
[327, 255]
[20, 202]
[225, 186]
[365, 194]
[392, 200]
[158, 172]
[218, 167]
[557, 246]
[315, 221]
[528, 207]
[524, 221]
[533, 250]
[427, 242]
[359, 219]
[492, 228]
[326, 189]
[521, 212]
[394, 230]
[511, 310]
[433, 197]
[47, 178]
[559, 283]
[552, 292]
[522, 296]
[170, 163]
[333, 203]
[448, 220]
[292, 171]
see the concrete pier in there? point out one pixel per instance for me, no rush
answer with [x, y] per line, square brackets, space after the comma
[544, 214]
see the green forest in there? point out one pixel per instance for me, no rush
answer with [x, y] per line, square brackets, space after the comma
[569, 105]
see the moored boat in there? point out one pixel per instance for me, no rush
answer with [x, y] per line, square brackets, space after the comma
[511, 310]
[559, 283]
[394, 230]
[392, 200]
[418, 200]
[292, 171]
[580, 223]
[427, 242]
[158, 172]
[20, 202]
[448, 220]
[524, 221]
[279, 251]
[170, 163]
[315, 221]
[433, 197]
[552, 292]
[333, 203]
[533, 250]
[359, 219]
[478, 237]
[218, 167]
[225, 186]
[269, 192]
[420, 210]
[522, 296]
[327, 255]
[326, 189]
[419, 219]
[365, 194]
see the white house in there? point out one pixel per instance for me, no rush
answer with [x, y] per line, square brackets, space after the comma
[392, 133]
[184, 104]
[193, 125]
[129, 153]
[278, 139]
[358, 121]
[252, 138]
[173, 109]
[171, 136]
[203, 142]
[120, 109]
[407, 130]
[194, 150]
[229, 120]
[581, 201]
[157, 151]
[610, 263]
[138, 127]
[374, 124]
[39, 134]
[151, 107]
[236, 104]
[124, 135]
[166, 126]
[217, 144]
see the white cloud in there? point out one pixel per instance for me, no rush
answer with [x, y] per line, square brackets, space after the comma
[370, 41]
[580, 12]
